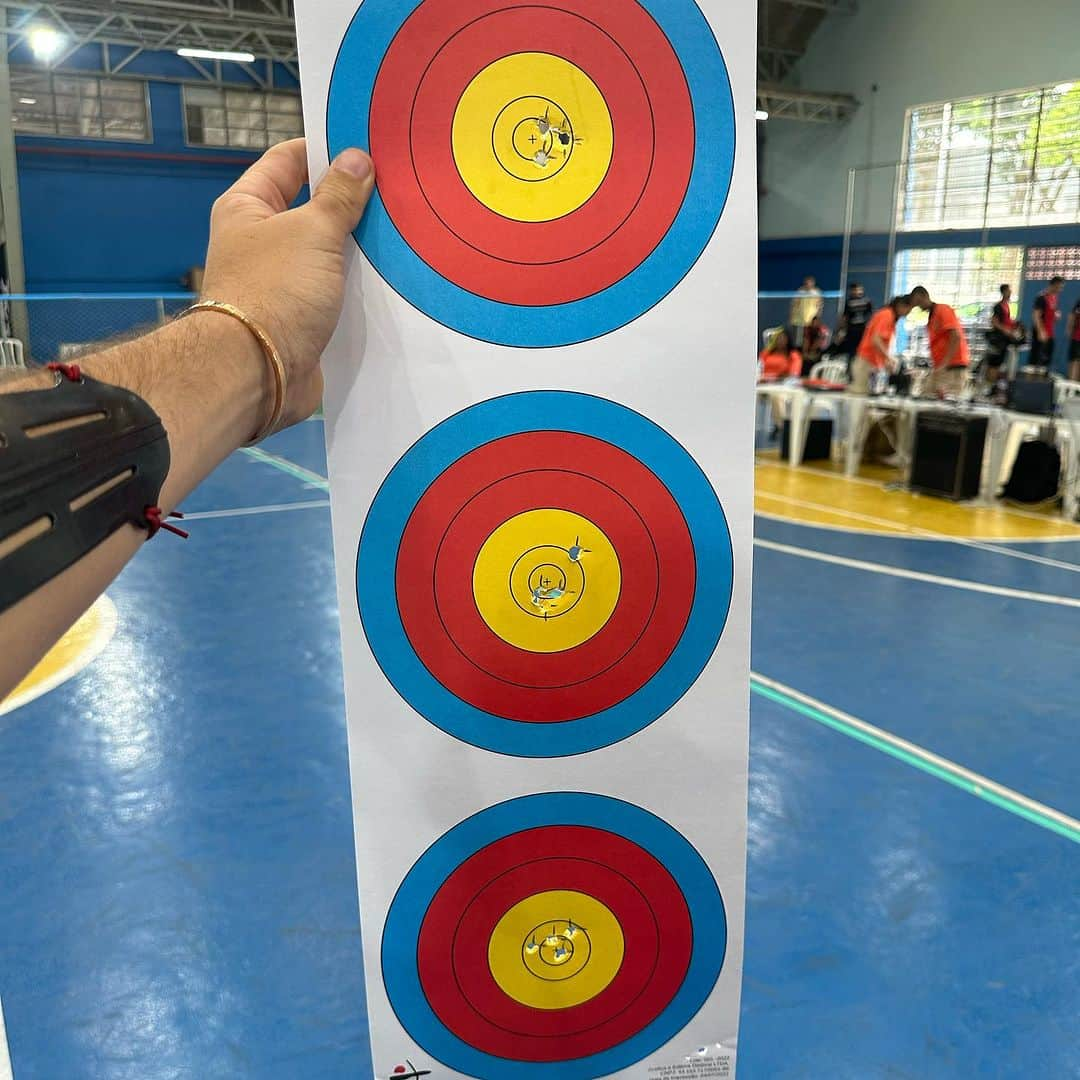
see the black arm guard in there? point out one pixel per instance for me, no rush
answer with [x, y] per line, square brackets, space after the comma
[76, 463]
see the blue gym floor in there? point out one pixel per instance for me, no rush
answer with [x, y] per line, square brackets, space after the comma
[177, 883]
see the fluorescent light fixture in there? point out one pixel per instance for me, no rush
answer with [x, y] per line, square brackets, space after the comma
[762, 114]
[28, 101]
[45, 42]
[218, 54]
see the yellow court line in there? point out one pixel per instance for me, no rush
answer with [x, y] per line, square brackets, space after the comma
[76, 650]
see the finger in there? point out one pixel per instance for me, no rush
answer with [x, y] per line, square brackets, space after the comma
[275, 180]
[343, 194]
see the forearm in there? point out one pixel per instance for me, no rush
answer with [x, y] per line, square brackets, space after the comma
[205, 377]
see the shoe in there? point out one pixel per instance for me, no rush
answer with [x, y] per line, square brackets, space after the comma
[893, 461]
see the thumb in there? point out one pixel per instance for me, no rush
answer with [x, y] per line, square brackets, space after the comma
[344, 192]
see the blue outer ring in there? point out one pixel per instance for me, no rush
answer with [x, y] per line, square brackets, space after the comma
[369, 36]
[511, 415]
[401, 933]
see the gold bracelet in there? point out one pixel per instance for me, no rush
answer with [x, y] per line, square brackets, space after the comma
[273, 359]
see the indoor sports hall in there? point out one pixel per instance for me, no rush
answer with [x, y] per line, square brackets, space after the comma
[178, 853]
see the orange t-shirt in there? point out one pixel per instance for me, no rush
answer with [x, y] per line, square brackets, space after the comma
[943, 321]
[779, 365]
[882, 324]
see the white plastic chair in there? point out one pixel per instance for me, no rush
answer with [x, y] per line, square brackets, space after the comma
[834, 371]
[1069, 447]
[11, 353]
[1064, 390]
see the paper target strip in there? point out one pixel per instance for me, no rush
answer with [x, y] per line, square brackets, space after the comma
[544, 574]
[559, 934]
[548, 172]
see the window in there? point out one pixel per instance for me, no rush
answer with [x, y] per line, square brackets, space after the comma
[1044, 263]
[967, 279]
[79, 106]
[240, 119]
[1010, 159]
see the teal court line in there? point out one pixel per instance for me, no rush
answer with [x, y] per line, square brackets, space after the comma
[885, 742]
[918, 758]
[290, 468]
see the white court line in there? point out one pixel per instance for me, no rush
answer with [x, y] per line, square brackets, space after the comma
[250, 511]
[5, 1057]
[925, 534]
[972, 782]
[916, 575]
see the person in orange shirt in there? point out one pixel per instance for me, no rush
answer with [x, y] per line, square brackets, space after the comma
[948, 348]
[779, 360]
[875, 349]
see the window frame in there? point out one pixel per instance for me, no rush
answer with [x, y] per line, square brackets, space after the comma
[1030, 218]
[84, 76]
[224, 89]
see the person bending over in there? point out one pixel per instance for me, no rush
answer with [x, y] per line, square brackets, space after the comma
[875, 348]
[949, 351]
[241, 364]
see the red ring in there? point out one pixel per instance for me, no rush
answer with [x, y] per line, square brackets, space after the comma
[510, 281]
[494, 505]
[487, 464]
[622, 898]
[450, 924]
[585, 46]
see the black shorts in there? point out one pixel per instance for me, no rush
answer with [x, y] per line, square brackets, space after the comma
[1042, 353]
[1074, 350]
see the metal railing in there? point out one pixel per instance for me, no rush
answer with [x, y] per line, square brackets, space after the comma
[57, 326]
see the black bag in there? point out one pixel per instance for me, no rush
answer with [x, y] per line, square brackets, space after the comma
[1036, 474]
[1032, 394]
[818, 441]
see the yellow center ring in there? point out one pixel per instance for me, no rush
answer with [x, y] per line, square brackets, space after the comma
[532, 137]
[547, 581]
[556, 949]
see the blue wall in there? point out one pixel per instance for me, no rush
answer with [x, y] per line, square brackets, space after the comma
[103, 216]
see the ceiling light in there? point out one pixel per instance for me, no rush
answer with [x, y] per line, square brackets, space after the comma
[762, 114]
[218, 54]
[45, 42]
[28, 101]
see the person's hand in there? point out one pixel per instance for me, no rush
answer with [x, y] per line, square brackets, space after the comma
[286, 268]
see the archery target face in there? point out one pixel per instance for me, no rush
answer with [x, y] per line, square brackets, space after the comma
[561, 933]
[544, 574]
[546, 172]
